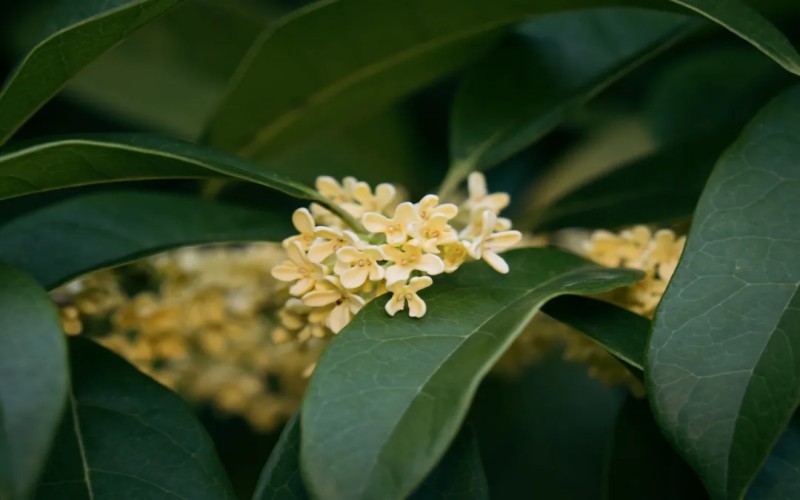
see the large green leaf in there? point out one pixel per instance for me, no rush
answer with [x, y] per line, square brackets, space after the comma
[552, 65]
[79, 34]
[621, 332]
[660, 187]
[61, 163]
[126, 436]
[742, 20]
[724, 372]
[34, 372]
[641, 463]
[459, 475]
[82, 234]
[410, 381]
[779, 479]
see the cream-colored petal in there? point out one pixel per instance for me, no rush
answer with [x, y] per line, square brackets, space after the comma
[476, 183]
[355, 277]
[373, 252]
[498, 263]
[327, 233]
[396, 273]
[355, 303]
[416, 306]
[396, 303]
[384, 194]
[396, 238]
[329, 187]
[302, 286]
[319, 315]
[405, 214]
[392, 254]
[503, 240]
[303, 220]
[497, 201]
[321, 298]
[338, 318]
[430, 264]
[340, 267]
[296, 254]
[320, 251]
[420, 282]
[448, 210]
[349, 254]
[286, 272]
[375, 222]
[376, 272]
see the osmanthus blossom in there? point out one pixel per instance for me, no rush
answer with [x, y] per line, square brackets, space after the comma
[336, 269]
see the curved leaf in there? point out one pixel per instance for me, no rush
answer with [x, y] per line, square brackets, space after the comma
[621, 332]
[62, 163]
[33, 370]
[126, 436]
[552, 65]
[280, 479]
[82, 32]
[724, 372]
[740, 19]
[83, 234]
[409, 382]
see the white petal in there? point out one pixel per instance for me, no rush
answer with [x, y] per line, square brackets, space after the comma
[476, 183]
[321, 298]
[396, 303]
[374, 222]
[320, 251]
[376, 272]
[416, 307]
[348, 254]
[420, 282]
[338, 318]
[497, 262]
[355, 277]
[286, 272]
[501, 241]
[301, 287]
[303, 221]
[405, 214]
[396, 274]
[431, 264]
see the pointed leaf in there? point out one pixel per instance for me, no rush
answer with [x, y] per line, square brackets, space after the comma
[33, 370]
[280, 479]
[86, 233]
[80, 33]
[410, 381]
[621, 332]
[742, 20]
[126, 436]
[552, 65]
[724, 372]
[779, 479]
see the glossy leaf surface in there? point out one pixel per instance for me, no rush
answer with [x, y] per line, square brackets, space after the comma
[724, 376]
[410, 381]
[91, 232]
[34, 375]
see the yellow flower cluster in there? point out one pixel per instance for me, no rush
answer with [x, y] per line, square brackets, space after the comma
[335, 270]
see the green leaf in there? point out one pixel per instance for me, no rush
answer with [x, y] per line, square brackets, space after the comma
[660, 187]
[80, 33]
[280, 479]
[641, 463]
[410, 381]
[779, 479]
[551, 66]
[723, 365]
[621, 332]
[33, 370]
[62, 163]
[458, 476]
[126, 436]
[740, 19]
[86, 233]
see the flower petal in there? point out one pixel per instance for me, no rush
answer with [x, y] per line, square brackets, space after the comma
[396, 303]
[286, 272]
[430, 264]
[503, 240]
[339, 318]
[395, 274]
[355, 277]
[320, 251]
[416, 306]
[498, 263]
[420, 282]
[303, 220]
[375, 222]
[301, 287]
[321, 298]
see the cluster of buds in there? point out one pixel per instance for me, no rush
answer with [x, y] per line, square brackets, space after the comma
[336, 269]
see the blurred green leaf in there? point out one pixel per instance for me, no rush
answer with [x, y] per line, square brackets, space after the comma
[779, 479]
[126, 436]
[641, 463]
[660, 187]
[34, 372]
[169, 76]
[280, 479]
[77, 34]
[621, 332]
[459, 475]
[723, 366]
[410, 381]
[742, 20]
[86, 233]
[552, 65]
[61, 163]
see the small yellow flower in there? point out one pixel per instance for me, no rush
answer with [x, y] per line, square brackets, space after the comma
[432, 233]
[429, 206]
[298, 267]
[396, 228]
[479, 197]
[489, 243]
[304, 223]
[332, 190]
[378, 202]
[330, 240]
[355, 266]
[336, 304]
[453, 255]
[403, 292]
[410, 258]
